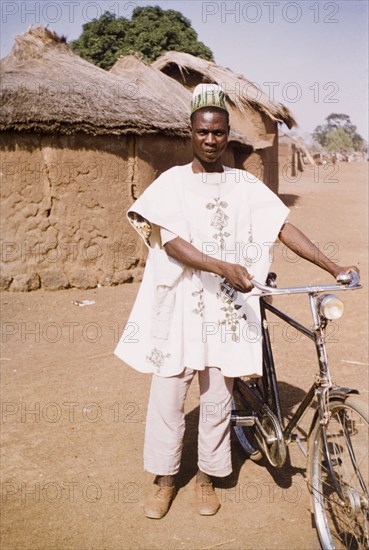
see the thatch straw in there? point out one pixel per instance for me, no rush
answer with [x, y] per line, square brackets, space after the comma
[240, 92]
[159, 85]
[162, 87]
[46, 88]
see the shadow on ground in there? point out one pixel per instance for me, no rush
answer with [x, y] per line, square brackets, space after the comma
[290, 397]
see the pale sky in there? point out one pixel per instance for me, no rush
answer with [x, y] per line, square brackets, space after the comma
[310, 55]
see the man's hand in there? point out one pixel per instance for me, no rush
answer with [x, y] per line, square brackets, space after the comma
[238, 277]
[346, 269]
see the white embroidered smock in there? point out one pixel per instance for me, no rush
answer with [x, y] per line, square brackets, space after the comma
[188, 318]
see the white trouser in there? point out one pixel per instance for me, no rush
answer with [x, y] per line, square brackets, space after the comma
[165, 423]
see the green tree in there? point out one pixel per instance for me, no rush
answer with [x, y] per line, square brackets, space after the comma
[151, 32]
[339, 134]
[102, 40]
[338, 141]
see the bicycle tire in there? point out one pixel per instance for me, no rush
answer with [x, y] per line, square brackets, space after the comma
[341, 522]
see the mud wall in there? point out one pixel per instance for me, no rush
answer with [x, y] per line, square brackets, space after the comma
[63, 205]
[262, 163]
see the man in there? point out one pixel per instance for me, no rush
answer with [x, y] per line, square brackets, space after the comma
[209, 230]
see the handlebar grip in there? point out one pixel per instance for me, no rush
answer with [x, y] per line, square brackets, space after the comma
[351, 278]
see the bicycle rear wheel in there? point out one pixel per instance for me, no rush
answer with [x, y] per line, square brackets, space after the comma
[338, 473]
[264, 436]
[245, 434]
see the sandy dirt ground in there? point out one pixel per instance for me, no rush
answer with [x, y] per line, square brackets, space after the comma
[73, 415]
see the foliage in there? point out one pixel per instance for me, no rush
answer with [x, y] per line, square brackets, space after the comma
[151, 32]
[338, 141]
[101, 40]
[339, 134]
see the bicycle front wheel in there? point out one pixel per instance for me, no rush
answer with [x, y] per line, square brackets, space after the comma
[338, 475]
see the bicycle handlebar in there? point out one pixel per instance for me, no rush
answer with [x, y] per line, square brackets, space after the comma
[346, 281]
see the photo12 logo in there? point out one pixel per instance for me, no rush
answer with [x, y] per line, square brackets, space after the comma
[52, 12]
[271, 12]
[71, 492]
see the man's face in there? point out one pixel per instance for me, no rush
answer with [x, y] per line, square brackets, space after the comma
[210, 132]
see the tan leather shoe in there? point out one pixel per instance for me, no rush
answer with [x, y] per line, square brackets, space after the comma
[157, 505]
[207, 502]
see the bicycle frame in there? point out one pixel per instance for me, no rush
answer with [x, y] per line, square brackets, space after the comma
[271, 392]
[269, 366]
[322, 385]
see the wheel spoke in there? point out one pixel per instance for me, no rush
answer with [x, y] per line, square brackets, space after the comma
[338, 472]
[346, 431]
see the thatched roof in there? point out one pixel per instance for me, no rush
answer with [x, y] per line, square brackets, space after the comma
[47, 88]
[159, 85]
[162, 88]
[241, 93]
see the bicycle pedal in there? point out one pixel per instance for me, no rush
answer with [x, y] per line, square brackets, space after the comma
[239, 420]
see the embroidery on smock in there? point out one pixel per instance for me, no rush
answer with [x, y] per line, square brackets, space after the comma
[219, 219]
[247, 260]
[199, 310]
[228, 295]
[226, 292]
[157, 358]
[141, 225]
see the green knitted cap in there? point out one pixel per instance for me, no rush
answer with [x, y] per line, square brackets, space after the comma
[208, 95]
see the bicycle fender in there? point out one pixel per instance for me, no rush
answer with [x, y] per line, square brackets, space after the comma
[341, 392]
[336, 392]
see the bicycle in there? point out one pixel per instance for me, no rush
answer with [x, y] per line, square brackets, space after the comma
[337, 441]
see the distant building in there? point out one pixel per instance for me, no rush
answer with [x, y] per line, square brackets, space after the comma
[294, 157]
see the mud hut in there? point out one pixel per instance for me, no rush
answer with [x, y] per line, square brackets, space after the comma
[252, 114]
[294, 157]
[78, 146]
